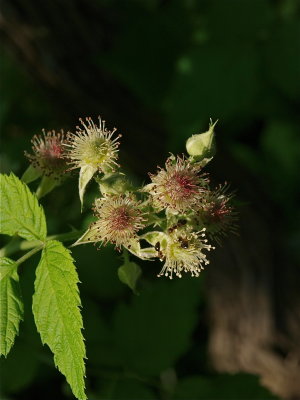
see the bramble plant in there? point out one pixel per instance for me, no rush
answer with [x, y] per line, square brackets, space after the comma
[177, 214]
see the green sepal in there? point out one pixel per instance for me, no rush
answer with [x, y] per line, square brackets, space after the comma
[85, 175]
[154, 237]
[147, 188]
[89, 236]
[147, 253]
[31, 174]
[134, 248]
[48, 183]
[115, 183]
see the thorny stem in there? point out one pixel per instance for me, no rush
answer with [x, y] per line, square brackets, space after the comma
[16, 245]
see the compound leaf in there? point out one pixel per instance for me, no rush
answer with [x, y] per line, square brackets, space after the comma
[20, 212]
[11, 305]
[57, 315]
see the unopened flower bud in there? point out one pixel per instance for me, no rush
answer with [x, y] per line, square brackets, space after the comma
[201, 147]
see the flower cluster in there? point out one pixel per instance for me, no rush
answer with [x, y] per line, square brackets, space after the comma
[176, 213]
[192, 212]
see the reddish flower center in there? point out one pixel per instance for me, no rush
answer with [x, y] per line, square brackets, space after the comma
[56, 150]
[120, 219]
[218, 211]
[52, 150]
[182, 185]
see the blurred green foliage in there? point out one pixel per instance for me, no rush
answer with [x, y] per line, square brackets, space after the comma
[237, 61]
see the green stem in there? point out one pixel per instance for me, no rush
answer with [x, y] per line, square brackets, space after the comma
[125, 256]
[67, 237]
[29, 254]
[16, 245]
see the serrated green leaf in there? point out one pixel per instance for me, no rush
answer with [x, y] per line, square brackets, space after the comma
[57, 315]
[89, 236]
[31, 174]
[129, 273]
[6, 267]
[11, 305]
[85, 175]
[20, 212]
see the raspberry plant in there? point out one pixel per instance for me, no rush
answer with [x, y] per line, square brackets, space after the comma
[177, 214]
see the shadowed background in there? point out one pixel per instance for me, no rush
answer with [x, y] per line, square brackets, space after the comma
[158, 70]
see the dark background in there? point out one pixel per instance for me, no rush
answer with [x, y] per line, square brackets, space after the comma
[158, 70]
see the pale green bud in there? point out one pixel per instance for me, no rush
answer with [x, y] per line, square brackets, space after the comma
[202, 147]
